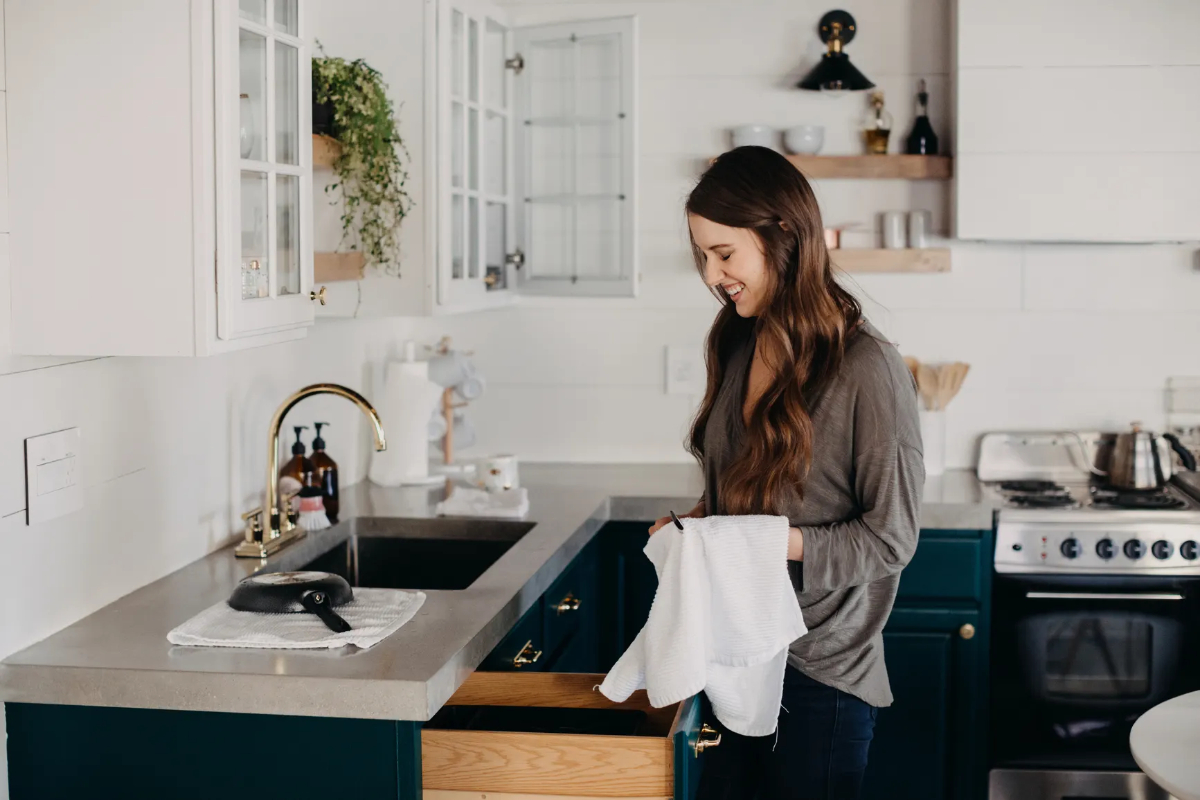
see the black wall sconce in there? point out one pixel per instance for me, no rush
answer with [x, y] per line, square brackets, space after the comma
[834, 72]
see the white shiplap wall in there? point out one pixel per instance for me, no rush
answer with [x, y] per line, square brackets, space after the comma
[1056, 335]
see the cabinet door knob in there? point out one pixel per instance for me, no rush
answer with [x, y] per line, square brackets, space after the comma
[527, 655]
[569, 603]
[708, 737]
[318, 295]
[967, 631]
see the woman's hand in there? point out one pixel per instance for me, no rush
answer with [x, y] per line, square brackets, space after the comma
[695, 513]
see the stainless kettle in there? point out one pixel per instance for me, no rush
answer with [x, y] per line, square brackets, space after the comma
[1139, 459]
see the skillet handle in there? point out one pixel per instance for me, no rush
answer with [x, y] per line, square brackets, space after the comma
[317, 602]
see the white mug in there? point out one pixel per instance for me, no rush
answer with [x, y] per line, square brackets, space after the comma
[497, 473]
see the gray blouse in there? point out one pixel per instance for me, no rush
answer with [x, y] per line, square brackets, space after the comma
[860, 515]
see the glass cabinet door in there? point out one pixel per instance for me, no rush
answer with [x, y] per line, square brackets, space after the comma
[474, 120]
[576, 158]
[264, 164]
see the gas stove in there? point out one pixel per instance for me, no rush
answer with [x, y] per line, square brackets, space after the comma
[1057, 517]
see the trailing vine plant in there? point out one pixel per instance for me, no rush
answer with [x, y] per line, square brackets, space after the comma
[370, 170]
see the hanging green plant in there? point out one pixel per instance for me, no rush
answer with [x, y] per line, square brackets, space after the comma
[370, 170]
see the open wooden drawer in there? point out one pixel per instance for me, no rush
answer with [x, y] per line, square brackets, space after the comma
[513, 734]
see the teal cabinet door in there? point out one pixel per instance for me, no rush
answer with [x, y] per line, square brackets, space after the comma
[929, 744]
[690, 742]
[523, 648]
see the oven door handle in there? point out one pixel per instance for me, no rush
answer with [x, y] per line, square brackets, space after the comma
[1102, 596]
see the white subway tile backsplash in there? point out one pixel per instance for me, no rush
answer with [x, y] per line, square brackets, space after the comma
[582, 423]
[1131, 278]
[982, 277]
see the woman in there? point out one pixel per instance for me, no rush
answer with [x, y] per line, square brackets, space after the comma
[810, 413]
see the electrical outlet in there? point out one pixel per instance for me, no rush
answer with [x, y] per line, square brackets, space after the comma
[53, 479]
[685, 370]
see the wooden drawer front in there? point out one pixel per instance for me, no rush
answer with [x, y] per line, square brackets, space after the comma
[525, 638]
[943, 569]
[558, 764]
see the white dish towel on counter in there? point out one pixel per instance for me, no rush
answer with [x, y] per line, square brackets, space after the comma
[467, 502]
[722, 618]
[373, 615]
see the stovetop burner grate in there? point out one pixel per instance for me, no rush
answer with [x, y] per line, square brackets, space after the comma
[1031, 487]
[1050, 500]
[1111, 498]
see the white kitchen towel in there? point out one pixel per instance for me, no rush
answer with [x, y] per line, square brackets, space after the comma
[373, 615]
[467, 502]
[721, 621]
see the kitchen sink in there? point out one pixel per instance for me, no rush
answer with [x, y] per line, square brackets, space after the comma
[390, 553]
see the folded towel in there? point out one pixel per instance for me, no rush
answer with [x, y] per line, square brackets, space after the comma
[468, 502]
[722, 618]
[374, 614]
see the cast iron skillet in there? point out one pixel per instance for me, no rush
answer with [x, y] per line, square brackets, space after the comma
[290, 592]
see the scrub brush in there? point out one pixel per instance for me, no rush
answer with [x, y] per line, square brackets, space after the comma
[312, 509]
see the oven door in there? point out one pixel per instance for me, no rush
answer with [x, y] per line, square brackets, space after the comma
[1077, 659]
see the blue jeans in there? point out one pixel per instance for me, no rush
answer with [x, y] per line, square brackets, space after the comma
[821, 754]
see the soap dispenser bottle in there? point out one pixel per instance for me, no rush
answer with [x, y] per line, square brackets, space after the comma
[297, 472]
[325, 474]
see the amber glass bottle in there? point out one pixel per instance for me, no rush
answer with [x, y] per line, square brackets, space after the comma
[325, 475]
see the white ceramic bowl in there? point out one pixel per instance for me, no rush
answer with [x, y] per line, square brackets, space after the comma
[761, 135]
[804, 139]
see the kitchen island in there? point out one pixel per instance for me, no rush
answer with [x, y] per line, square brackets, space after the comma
[252, 706]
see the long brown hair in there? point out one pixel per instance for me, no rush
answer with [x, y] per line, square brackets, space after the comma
[802, 330]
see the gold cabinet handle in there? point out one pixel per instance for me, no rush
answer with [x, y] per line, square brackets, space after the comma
[708, 737]
[491, 279]
[527, 655]
[967, 631]
[318, 295]
[568, 603]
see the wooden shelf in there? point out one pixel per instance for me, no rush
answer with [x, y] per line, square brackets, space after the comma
[914, 168]
[325, 150]
[333, 267]
[865, 260]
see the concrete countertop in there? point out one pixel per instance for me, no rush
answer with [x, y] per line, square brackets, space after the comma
[119, 656]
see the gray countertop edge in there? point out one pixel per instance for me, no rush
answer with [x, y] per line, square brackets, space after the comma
[570, 504]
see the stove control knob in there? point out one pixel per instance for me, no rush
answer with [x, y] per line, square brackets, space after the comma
[1162, 549]
[1135, 549]
[1069, 548]
[1189, 550]
[1104, 549]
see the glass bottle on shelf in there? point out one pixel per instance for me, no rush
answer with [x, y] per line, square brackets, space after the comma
[877, 126]
[922, 141]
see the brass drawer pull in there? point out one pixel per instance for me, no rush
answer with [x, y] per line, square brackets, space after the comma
[569, 603]
[708, 737]
[527, 655]
[967, 631]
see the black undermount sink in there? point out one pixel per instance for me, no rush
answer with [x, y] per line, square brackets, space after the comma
[389, 553]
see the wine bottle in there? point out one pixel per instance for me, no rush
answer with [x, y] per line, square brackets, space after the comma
[922, 141]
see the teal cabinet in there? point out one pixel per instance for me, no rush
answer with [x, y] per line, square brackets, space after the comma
[931, 743]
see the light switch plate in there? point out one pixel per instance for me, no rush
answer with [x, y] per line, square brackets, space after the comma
[685, 370]
[53, 476]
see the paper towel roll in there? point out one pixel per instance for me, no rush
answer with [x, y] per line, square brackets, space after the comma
[408, 399]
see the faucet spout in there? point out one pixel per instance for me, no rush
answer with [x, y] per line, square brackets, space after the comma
[271, 522]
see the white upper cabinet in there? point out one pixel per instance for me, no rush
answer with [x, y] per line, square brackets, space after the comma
[1076, 120]
[160, 171]
[535, 157]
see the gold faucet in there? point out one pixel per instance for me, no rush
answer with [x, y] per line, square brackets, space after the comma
[269, 531]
